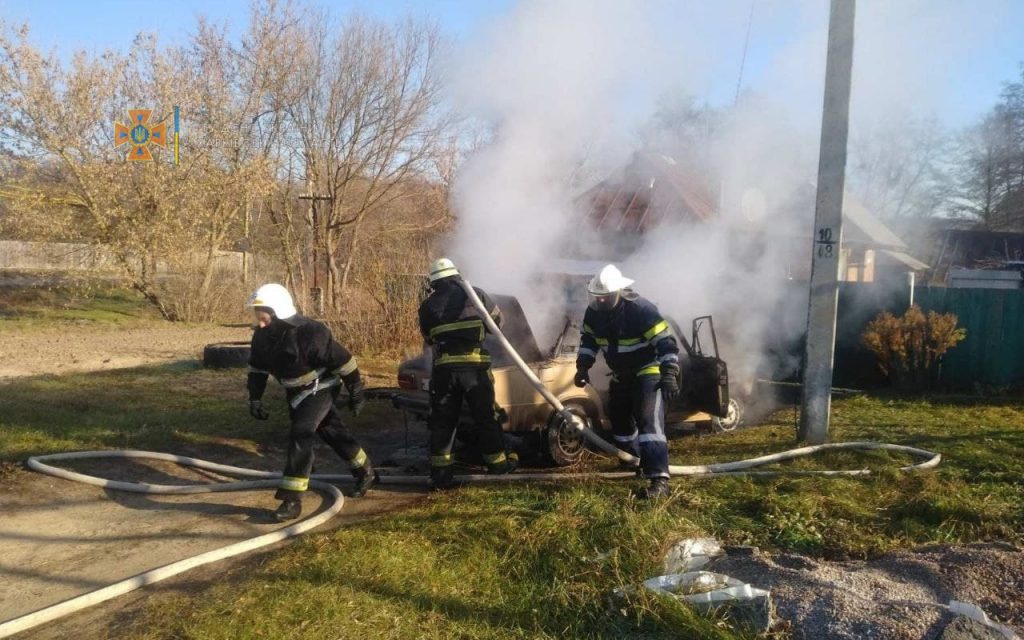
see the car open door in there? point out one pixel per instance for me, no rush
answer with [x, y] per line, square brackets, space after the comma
[705, 376]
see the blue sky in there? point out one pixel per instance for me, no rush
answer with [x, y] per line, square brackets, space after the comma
[102, 23]
[981, 54]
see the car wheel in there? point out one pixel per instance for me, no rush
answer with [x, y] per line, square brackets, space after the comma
[732, 420]
[226, 355]
[562, 443]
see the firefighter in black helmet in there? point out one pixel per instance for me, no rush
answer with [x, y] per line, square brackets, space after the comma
[310, 365]
[462, 371]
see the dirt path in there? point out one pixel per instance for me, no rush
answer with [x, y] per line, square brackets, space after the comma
[61, 538]
[75, 348]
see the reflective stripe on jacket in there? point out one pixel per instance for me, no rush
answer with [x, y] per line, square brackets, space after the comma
[450, 323]
[298, 352]
[634, 338]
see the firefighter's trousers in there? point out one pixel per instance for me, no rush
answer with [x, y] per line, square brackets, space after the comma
[316, 415]
[449, 386]
[637, 413]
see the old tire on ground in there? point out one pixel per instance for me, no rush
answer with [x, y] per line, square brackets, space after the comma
[732, 420]
[226, 355]
[563, 444]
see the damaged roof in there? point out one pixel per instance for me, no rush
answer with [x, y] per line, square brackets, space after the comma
[654, 189]
[651, 190]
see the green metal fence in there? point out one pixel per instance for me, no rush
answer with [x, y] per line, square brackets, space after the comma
[990, 358]
[992, 355]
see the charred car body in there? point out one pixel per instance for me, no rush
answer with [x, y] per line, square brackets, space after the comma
[704, 400]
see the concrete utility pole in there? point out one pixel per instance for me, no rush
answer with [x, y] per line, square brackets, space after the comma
[828, 227]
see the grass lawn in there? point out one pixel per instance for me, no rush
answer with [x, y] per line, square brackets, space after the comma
[174, 407]
[538, 560]
[88, 304]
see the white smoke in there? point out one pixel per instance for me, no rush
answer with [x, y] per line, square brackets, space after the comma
[569, 84]
[542, 79]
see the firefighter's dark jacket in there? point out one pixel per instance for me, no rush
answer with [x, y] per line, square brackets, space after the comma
[451, 324]
[634, 337]
[298, 352]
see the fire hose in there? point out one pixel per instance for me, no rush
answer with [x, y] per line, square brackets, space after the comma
[321, 482]
[740, 467]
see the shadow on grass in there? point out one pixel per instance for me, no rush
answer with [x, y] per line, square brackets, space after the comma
[949, 399]
[162, 406]
[533, 620]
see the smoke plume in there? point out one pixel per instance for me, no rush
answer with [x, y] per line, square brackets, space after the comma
[568, 90]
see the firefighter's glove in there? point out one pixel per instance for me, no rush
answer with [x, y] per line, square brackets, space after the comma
[500, 414]
[257, 411]
[356, 397]
[669, 381]
[582, 378]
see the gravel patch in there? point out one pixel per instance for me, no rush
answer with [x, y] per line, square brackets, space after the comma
[891, 597]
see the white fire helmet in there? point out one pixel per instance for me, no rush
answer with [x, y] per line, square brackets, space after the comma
[605, 289]
[274, 297]
[442, 268]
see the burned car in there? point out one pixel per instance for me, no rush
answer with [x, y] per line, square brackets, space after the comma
[704, 400]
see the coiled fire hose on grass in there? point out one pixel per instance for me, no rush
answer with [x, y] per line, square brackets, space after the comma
[321, 482]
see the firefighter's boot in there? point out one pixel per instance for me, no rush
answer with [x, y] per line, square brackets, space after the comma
[366, 476]
[290, 509]
[442, 478]
[631, 465]
[657, 489]
[508, 465]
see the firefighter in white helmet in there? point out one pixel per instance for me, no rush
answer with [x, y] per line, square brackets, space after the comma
[306, 360]
[644, 358]
[462, 371]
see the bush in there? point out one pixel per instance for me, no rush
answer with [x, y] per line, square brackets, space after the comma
[379, 314]
[910, 348]
[381, 321]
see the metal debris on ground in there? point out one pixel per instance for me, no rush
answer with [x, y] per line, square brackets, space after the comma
[972, 622]
[744, 605]
[691, 554]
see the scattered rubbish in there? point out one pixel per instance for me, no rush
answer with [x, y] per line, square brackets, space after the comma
[692, 583]
[960, 629]
[691, 554]
[710, 593]
[715, 593]
[736, 551]
[851, 600]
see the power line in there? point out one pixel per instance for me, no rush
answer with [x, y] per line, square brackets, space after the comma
[743, 59]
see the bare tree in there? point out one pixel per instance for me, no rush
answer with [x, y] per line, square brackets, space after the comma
[899, 167]
[980, 150]
[991, 185]
[298, 103]
[366, 117]
[57, 126]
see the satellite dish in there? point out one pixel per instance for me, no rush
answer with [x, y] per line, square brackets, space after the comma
[753, 205]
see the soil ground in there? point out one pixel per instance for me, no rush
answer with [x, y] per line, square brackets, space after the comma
[59, 539]
[67, 349]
